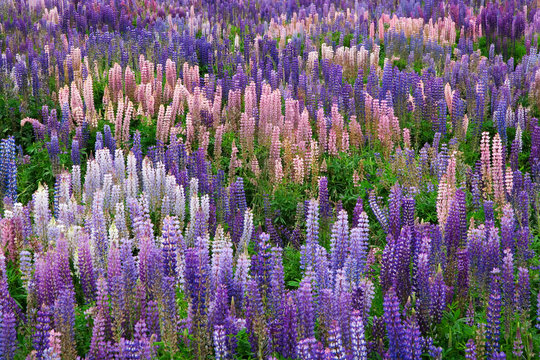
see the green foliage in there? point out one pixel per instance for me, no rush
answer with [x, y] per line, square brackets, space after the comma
[37, 171]
[291, 267]
[83, 329]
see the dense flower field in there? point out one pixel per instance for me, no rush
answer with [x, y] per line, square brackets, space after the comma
[269, 179]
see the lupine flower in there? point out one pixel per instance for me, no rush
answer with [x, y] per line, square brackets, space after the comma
[358, 341]
[8, 168]
[394, 326]
[494, 315]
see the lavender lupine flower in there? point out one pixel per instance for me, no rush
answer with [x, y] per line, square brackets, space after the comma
[99, 231]
[310, 349]
[41, 213]
[335, 343]
[358, 339]
[241, 277]
[170, 240]
[379, 213]
[308, 250]
[394, 326]
[220, 346]
[356, 260]
[494, 314]
[409, 205]
[26, 265]
[340, 241]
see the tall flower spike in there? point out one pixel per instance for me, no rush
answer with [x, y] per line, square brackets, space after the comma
[393, 322]
[356, 260]
[340, 241]
[309, 249]
[494, 314]
[358, 339]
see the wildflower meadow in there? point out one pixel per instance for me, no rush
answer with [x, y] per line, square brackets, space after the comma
[269, 179]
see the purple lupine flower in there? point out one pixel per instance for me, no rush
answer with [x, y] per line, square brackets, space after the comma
[310, 349]
[324, 201]
[75, 152]
[339, 243]
[99, 347]
[508, 228]
[41, 336]
[277, 280]
[456, 225]
[488, 212]
[423, 283]
[255, 317]
[498, 355]
[8, 333]
[508, 291]
[196, 277]
[394, 326]
[412, 344]
[463, 271]
[409, 205]
[395, 203]
[286, 342]
[358, 210]
[523, 291]
[306, 316]
[358, 338]
[538, 311]
[8, 168]
[517, 351]
[470, 350]
[493, 314]
[438, 294]
[261, 264]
